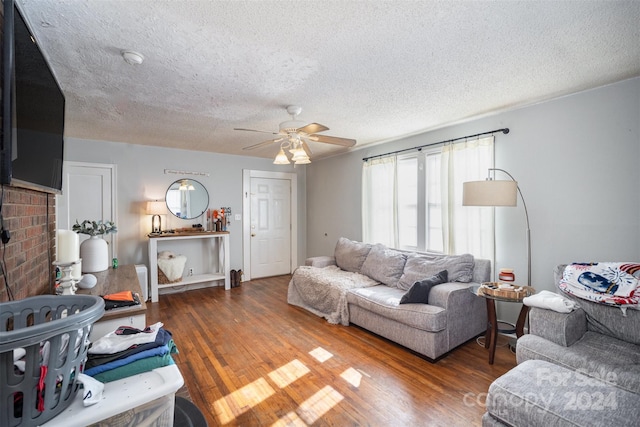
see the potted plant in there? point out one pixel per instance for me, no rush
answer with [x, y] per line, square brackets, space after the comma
[94, 251]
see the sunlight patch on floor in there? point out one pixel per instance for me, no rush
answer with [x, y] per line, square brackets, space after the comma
[228, 408]
[320, 354]
[287, 374]
[352, 376]
[241, 400]
[320, 403]
[290, 420]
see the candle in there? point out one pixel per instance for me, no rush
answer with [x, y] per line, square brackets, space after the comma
[68, 248]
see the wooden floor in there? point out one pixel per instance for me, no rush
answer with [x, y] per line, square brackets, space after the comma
[248, 358]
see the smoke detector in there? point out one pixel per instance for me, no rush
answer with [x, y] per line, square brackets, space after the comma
[132, 58]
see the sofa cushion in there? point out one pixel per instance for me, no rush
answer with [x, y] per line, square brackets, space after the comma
[419, 292]
[538, 393]
[351, 255]
[385, 301]
[384, 265]
[594, 355]
[420, 267]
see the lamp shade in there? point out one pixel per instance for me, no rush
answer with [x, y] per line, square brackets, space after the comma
[281, 158]
[156, 208]
[489, 193]
[300, 157]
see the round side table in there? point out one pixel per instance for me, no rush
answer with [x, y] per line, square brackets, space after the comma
[491, 336]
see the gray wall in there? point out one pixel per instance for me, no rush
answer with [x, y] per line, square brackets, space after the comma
[141, 177]
[577, 161]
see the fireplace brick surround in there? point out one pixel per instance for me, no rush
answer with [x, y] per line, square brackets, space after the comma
[30, 217]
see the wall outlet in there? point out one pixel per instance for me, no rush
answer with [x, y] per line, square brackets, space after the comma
[238, 217]
[191, 272]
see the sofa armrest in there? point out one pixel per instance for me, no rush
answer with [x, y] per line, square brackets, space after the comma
[561, 328]
[466, 312]
[320, 261]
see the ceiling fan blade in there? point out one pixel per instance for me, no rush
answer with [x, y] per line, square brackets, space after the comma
[345, 142]
[262, 144]
[313, 128]
[254, 130]
[306, 148]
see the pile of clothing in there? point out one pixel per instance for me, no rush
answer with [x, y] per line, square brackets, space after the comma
[129, 351]
[121, 299]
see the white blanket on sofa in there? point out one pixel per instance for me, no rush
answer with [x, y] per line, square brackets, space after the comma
[323, 291]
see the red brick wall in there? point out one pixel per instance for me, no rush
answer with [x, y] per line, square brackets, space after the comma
[30, 218]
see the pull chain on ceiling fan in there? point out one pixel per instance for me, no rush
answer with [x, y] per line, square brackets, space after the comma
[294, 135]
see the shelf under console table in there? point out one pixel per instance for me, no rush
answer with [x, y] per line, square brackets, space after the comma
[214, 246]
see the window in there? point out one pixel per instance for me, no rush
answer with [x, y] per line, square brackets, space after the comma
[414, 201]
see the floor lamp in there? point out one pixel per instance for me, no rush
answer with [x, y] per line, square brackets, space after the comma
[497, 193]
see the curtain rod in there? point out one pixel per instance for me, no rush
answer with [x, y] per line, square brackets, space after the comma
[420, 147]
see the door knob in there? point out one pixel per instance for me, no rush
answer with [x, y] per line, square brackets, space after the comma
[253, 234]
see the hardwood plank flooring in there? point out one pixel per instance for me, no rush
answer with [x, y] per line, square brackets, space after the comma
[248, 358]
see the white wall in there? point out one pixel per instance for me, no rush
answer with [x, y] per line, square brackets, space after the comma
[577, 161]
[141, 177]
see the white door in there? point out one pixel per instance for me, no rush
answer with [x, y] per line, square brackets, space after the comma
[88, 193]
[270, 227]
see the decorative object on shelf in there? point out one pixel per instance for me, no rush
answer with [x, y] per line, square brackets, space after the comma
[506, 290]
[170, 267]
[68, 250]
[218, 219]
[95, 228]
[507, 275]
[67, 284]
[156, 208]
[94, 251]
[88, 281]
[497, 193]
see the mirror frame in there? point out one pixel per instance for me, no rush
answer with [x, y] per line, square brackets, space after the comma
[198, 187]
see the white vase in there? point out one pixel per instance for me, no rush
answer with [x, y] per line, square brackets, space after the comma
[95, 254]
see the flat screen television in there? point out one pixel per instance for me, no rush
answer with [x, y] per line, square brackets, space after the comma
[33, 108]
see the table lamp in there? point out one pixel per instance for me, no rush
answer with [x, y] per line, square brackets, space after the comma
[156, 208]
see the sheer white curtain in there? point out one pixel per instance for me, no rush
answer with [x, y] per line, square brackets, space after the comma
[467, 229]
[379, 201]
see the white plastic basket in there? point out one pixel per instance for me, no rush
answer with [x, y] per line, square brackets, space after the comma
[52, 331]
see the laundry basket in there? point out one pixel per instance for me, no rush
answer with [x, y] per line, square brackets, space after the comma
[52, 333]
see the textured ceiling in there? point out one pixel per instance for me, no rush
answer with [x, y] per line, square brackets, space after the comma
[369, 70]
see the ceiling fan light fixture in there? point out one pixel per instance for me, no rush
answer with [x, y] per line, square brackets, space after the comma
[281, 158]
[300, 157]
[303, 161]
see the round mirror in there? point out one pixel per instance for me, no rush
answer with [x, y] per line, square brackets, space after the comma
[187, 199]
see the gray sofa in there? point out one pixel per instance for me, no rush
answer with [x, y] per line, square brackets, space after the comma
[363, 285]
[580, 368]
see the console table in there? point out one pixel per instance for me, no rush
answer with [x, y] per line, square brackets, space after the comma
[213, 245]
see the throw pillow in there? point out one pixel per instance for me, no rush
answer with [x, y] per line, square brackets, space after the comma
[459, 267]
[384, 265]
[419, 292]
[350, 255]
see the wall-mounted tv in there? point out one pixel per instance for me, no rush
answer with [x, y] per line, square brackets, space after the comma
[33, 108]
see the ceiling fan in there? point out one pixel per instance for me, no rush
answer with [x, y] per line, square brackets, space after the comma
[294, 135]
